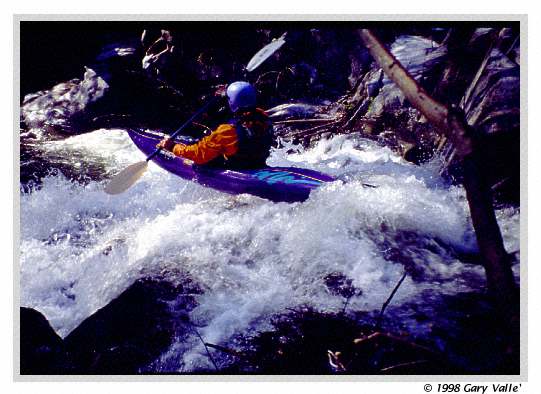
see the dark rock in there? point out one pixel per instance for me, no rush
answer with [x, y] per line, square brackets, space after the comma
[493, 109]
[54, 52]
[131, 331]
[309, 342]
[464, 55]
[481, 340]
[339, 284]
[494, 105]
[418, 55]
[299, 343]
[42, 351]
[418, 154]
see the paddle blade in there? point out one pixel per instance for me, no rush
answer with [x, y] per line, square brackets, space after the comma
[127, 177]
[265, 52]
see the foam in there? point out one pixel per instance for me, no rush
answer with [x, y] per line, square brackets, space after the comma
[252, 258]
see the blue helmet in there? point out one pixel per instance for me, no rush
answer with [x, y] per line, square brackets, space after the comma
[241, 95]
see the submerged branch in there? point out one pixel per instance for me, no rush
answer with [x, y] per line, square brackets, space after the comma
[386, 303]
[206, 348]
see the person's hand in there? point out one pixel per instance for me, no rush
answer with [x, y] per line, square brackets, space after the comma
[167, 144]
[220, 90]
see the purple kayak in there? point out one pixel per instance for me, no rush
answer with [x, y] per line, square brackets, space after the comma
[289, 184]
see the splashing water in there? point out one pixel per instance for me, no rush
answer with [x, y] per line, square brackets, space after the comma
[253, 258]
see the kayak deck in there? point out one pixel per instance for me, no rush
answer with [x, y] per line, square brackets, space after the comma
[288, 184]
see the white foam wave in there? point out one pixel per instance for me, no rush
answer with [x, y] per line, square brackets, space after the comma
[252, 258]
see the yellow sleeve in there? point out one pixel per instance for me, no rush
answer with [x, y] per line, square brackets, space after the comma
[222, 141]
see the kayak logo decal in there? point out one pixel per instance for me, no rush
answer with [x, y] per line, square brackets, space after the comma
[167, 155]
[272, 177]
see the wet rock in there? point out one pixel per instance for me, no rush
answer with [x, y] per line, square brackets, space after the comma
[384, 353]
[459, 67]
[114, 59]
[131, 331]
[368, 88]
[62, 107]
[123, 337]
[481, 37]
[418, 55]
[494, 105]
[340, 285]
[377, 98]
[494, 110]
[42, 350]
[390, 98]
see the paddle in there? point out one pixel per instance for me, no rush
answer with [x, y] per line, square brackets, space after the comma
[127, 177]
[265, 52]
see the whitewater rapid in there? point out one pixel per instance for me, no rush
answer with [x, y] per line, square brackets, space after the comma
[252, 258]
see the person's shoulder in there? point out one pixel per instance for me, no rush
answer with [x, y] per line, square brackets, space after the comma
[224, 128]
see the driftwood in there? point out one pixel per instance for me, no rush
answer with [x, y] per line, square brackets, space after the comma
[452, 124]
[315, 130]
[363, 349]
[316, 120]
[378, 335]
[335, 361]
[402, 365]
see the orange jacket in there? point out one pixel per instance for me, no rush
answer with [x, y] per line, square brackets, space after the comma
[224, 141]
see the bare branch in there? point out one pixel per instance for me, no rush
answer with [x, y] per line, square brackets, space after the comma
[386, 303]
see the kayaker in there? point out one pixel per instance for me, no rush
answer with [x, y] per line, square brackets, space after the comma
[244, 142]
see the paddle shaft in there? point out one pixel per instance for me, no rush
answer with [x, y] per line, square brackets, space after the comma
[190, 120]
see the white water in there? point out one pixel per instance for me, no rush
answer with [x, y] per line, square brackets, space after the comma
[80, 248]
